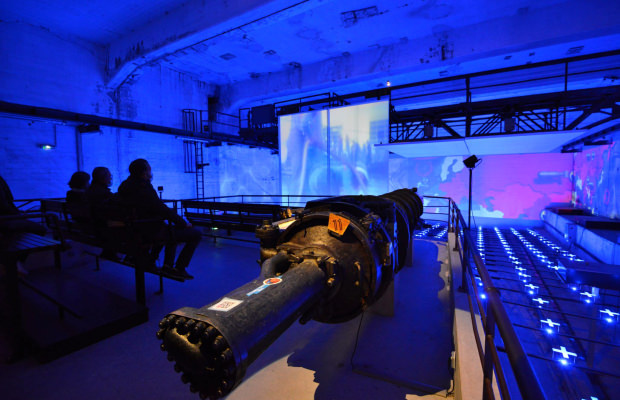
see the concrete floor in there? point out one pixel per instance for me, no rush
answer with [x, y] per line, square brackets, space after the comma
[312, 361]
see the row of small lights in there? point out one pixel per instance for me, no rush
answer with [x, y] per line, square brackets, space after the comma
[553, 246]
[441, 233]
[482, 251]
[561, 354]
[424, 232]
[607, 315]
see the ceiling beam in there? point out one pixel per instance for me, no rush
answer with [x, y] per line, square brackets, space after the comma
[194, 23]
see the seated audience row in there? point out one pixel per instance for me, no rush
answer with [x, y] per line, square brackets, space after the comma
[90, 202]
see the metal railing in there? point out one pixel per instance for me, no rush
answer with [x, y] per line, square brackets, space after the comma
[285, 200]
[493, 316]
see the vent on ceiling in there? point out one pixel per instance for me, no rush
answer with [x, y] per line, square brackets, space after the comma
[352, 17]
[270, 52]
[228, 56]
[575, 50]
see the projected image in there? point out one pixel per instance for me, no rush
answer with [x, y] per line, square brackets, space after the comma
[350, 164]
[597, 180]
[506, 186]
[303, 153]
[356, 165]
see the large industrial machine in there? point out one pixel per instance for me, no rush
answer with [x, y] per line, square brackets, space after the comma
[329, 262]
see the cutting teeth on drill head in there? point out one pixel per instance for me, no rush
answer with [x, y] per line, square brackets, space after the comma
[181, 328]
[185, 378]
[162, 347]
[170, 357]
[195, 334]
[218, 344]
[226, 356]
[177, 368]
[189, 325]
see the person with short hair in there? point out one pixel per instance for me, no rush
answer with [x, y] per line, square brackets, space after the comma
[99, 190]
[137, 191]
[76, 197]
[77, 187]
[100, 199]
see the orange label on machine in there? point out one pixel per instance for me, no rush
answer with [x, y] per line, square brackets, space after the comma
[337, 224]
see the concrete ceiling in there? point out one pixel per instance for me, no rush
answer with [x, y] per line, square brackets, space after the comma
[263, 50]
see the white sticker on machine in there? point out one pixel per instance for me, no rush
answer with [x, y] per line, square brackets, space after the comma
[225, 304]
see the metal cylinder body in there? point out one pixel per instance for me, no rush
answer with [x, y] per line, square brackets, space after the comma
[336, 258]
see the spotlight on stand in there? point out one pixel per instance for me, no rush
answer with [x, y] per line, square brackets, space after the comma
[470, 162]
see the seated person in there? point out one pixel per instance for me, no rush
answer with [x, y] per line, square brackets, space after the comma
[99, 197]
[76, 197]
[99, 190]
[137, 191]
[78, 184]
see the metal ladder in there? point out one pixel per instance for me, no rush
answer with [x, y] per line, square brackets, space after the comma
[200, 174]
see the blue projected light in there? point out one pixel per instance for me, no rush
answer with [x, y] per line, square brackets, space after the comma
[564, 356]
[333, 152]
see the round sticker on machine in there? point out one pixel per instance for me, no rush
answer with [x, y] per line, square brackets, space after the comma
[272, 281]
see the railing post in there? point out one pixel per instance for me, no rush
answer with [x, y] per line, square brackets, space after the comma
[465, 267]
[487, 369]
[456, 234]
[450, 220]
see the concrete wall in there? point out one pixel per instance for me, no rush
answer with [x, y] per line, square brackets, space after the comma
[47, 70]
[43, 69]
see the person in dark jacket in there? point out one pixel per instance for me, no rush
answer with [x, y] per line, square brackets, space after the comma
[100, 199]
[78, 184]
[76, 197]
[137, 191]
[99, 190]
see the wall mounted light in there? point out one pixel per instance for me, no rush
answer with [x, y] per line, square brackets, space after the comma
[45, 146]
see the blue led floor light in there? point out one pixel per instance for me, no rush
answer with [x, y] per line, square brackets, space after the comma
[564, 356]
[609, 316]
[549, 326]
[540, 301]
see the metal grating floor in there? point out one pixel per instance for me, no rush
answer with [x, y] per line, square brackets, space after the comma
[569, 332]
